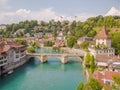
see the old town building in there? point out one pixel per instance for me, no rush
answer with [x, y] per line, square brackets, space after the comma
[102, 44]
[12, 55]
[105, 77]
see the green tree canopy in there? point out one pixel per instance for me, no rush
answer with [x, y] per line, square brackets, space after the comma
[92, 64]
[116, 84]
[20, 41]
[81, 86]
[116, 41]
[71, 41]
[84, 44]
[87, 58]
[93, 84]
[91, 33]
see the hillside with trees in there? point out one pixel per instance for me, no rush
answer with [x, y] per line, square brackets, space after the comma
[78, 29]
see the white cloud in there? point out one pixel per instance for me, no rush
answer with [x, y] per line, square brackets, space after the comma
[44, 14]
[113, 12]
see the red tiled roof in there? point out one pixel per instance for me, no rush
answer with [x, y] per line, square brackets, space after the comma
[109, 74]
[5, 46]
[103, 34]
[116, 58]
[105, 58]
[98, 76]
[102, 58]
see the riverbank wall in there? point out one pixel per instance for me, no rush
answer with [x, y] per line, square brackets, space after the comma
[11, 67]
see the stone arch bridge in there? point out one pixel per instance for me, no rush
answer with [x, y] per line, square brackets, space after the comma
[43, 57]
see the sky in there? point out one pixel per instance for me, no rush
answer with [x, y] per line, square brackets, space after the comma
[13, 11]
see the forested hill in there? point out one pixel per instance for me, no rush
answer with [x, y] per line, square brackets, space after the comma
[78, 29]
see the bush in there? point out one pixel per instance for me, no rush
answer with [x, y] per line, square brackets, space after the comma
[49, 43]
[57, 49]
[21, 41]
[31, 50]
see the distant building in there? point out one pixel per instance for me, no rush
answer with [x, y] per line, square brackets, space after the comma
[82, 39]
[2, 26]
[38, 35]
[27, 35]
[30, 39]
[48, 34]
[102, 44]
[60, 36]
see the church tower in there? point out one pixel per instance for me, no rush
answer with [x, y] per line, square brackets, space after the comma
[103, 38]
[102, 44]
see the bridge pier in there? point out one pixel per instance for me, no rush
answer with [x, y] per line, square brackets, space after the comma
[64, 59]
[43, 59]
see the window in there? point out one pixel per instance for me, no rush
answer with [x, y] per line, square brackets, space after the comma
[97, 52]
[5, 61]
[17, 51]
[107, 82]
[1, 62]
[111, 50]
[17, 56]
[5, 57]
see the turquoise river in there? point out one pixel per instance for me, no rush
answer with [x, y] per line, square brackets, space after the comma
[49, 76]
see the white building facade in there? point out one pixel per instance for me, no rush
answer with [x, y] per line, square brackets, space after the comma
[102, 44]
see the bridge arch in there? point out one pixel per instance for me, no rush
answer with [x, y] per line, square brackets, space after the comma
[44, 57]
[49, 57]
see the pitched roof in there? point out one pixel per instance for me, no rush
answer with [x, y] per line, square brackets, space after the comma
[99, 76]
[104, 75]
[103, 34]
[106, 58]
[102, 58]
[109, 74]
[5, 46]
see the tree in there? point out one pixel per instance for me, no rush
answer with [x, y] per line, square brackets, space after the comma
[84, 45]
[116, 85]
[31, 49]
[116, 41]
[93, 84]
[34, 44]
[87, 60]
[81, 86]
[71, 41]
[92, 33]
[21, 41]
[49, 43]
[92, 64]
[56, 49]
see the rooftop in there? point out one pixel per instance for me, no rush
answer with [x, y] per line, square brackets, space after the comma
[106, 58]
[103, 34]
[5, 46]
[108, 75]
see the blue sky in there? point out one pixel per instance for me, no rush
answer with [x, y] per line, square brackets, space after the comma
[66, 8]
